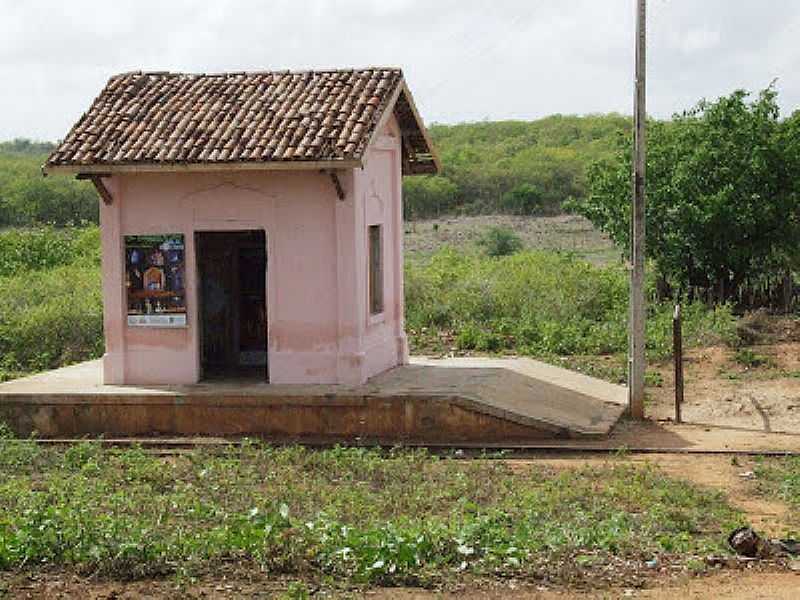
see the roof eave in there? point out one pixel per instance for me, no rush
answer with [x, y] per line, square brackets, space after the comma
[423, 130]
[388, 111]
[286, 165]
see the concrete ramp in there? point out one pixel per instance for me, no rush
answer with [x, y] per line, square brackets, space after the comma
[428, 402]
[520, 390]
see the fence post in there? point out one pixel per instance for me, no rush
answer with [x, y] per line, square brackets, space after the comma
[788, 285]
[677, 353]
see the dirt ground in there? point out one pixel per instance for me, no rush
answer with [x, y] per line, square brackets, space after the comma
[723, 586]
[562, 232]
[727, 585]
[753, 580]
[723, 392]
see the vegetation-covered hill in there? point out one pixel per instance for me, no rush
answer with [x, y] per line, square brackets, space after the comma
[518, 167]
[27, 198]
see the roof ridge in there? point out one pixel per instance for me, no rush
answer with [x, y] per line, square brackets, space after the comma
[261, 72]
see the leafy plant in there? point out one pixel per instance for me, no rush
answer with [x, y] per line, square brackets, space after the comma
[350, 515]
[781, 477]
[500, 241]
[296, 590]
[750, 359]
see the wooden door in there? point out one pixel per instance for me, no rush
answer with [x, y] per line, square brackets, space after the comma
[217, 289]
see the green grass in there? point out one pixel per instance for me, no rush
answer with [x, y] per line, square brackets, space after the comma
[347, 515]
[538, 303]
[780, 477]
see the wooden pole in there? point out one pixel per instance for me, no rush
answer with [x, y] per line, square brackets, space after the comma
[636, 325]
[677, 354]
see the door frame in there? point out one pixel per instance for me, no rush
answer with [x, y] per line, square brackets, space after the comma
[198, 252]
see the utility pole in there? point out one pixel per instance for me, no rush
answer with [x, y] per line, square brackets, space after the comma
[636, 323]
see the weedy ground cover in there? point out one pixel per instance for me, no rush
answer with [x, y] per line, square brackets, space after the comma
[540, 304]
[781, 477]
[348, 515]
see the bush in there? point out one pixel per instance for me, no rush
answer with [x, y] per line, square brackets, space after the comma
[525, 199]
[539, 303]
[500, 241]
[47, 247]
[50, 319]
[428, 196]
[50, 300]
[722, 197]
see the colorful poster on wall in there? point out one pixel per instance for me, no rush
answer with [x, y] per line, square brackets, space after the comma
[155, 276]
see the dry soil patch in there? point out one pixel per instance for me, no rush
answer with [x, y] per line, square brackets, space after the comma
[719, 391]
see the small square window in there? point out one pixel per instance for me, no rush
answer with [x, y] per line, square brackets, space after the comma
[375, 270]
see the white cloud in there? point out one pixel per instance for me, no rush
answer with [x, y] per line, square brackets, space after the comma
[696, 40]
[464, 59]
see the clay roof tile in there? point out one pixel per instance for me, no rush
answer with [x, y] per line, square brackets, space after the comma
[162, 118]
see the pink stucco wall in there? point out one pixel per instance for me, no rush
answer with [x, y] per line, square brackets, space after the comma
[319, 327]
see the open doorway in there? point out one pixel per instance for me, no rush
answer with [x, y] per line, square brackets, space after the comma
[232, 275]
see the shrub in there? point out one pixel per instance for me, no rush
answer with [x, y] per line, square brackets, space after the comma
[50, 302]
[500, 241]
[50, 318]
[525, 199]
[47, 247]
[750, 359]
[540, 303]
[428, 196]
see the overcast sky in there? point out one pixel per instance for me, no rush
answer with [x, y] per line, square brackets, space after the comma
[465, 60]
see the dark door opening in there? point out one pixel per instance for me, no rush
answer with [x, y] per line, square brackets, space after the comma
[232, 275]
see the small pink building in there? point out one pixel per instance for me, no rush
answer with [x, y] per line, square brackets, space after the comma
[251, 222]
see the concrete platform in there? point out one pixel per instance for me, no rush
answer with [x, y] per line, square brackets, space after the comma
[428, 401]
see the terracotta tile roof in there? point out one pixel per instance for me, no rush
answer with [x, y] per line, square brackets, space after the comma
[161, 119]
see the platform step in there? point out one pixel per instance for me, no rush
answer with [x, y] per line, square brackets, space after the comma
[436, 401]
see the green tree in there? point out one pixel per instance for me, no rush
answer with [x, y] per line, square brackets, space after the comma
[525, 199]
[427, 196]
[721, 194]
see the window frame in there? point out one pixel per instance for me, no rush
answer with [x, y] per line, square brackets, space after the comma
[376, 282]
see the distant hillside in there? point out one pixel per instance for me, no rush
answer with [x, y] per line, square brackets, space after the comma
[514, 167]
[520, 167]
[26, 147]
[27, 198]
